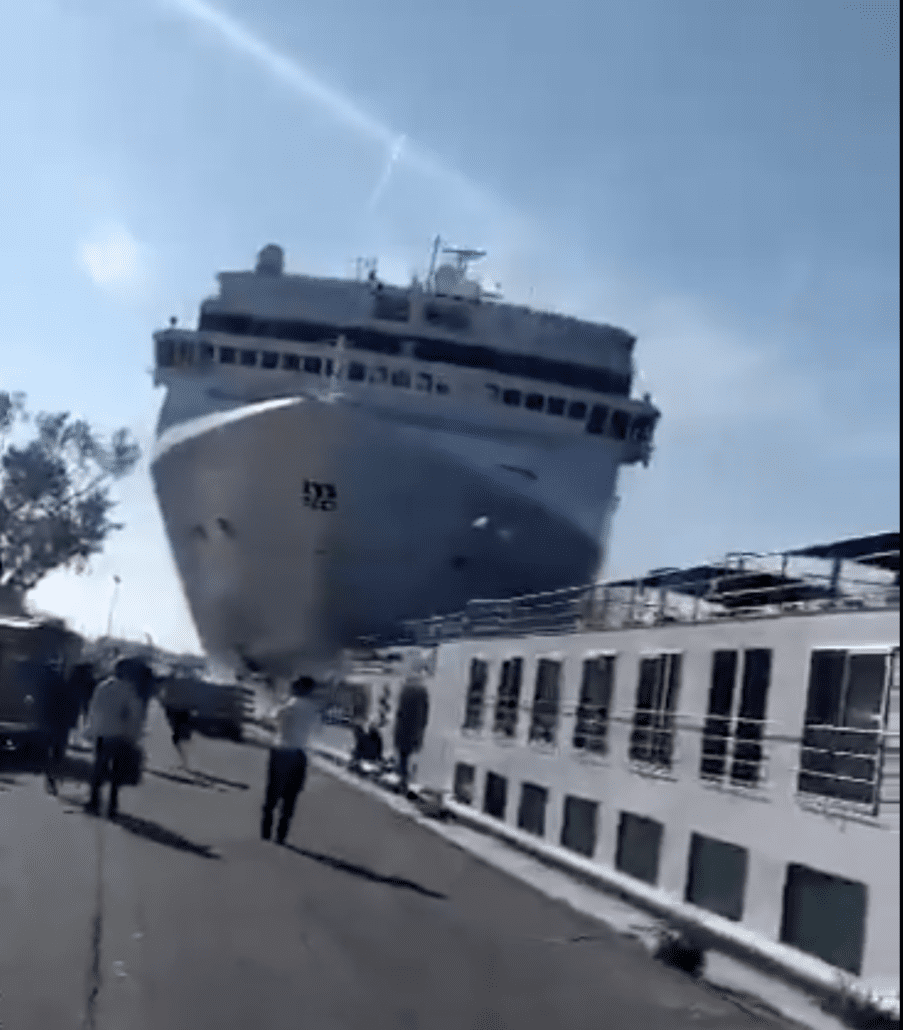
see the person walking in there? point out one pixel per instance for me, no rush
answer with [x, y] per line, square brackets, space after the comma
[410, 723]
[60, 715]
[116, 722]
[287, 769]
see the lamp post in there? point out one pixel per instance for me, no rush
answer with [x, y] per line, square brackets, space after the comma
[116, 582]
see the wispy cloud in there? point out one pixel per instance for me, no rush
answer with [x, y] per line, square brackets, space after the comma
[347, 112]
[113, 258]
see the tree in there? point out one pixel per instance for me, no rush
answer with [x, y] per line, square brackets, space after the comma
[55, 500]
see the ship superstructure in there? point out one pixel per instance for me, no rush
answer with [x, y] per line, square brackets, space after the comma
[335, 456]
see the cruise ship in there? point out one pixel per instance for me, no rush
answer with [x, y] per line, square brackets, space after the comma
[335, 457]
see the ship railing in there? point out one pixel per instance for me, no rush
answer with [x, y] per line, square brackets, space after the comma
[741, 586]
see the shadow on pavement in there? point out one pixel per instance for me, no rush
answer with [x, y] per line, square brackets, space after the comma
[160, 835]
[72, 768]
[364, 873]
[196, 778]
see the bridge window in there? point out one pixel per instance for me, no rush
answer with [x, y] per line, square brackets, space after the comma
[401, 378]
[166, 353]
[313, 365]
[379, 374]
[356, 371]
[597, 419]
[652, 739]
[327, 367]
[367, 339]
[555, 405]
[576, 409]
[227, 355]
[492, 391]
[424, 382]
[206, 352]
[269, 359]
[291, 362]
[249, 358]
[391, 307]
[619, 423]
[447, 316]
[641, 430]
[441, 387]
[186, 354]
[511, 397]
[534, 401]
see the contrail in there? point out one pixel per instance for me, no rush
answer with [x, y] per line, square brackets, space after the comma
[344, 110]
[387, 173]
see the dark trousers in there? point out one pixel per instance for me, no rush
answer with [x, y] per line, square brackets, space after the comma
[110, 761]
[286, 774]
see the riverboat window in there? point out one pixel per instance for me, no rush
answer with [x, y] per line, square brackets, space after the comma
[576, 410]
[185, 354]
[511, 397]
[641, 431]
[555, 405]
[531, 815]
[441, 387]
[269, 359]
[249, 358]
[424, 382]
[534, 401]
[825, 916]
[652, 739]
[476, 694]
[493, 391]
[207, 352]
[391, 307]
[591, 727]
[401, 378]
[716, 876]
[465, 776]
[227, 355]
[597, 419]
[581, 819]
[619, 423]
[508, 697]
[495, 795]
[743, 735]
[291, 362]
[544, 723]
[844, 722]
[313, 365]
[277, 329]
[379, 374]
[639, 847]
[356, 371]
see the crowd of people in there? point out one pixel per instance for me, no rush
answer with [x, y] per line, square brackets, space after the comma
[113, 710]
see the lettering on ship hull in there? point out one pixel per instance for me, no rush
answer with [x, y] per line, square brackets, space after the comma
[319, 496]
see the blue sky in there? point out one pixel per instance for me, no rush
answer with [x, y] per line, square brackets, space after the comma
[720, 178]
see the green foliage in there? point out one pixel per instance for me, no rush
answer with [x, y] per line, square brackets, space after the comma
[55, 503]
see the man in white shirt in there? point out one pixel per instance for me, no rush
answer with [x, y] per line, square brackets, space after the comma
[116, 722]
[287, 771]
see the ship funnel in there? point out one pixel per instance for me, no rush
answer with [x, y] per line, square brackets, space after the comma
[270, 261]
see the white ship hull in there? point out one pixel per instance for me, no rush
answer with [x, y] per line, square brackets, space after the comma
[424, 520]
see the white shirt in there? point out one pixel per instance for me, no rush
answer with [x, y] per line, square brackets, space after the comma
[295, 722]
[115, 711]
